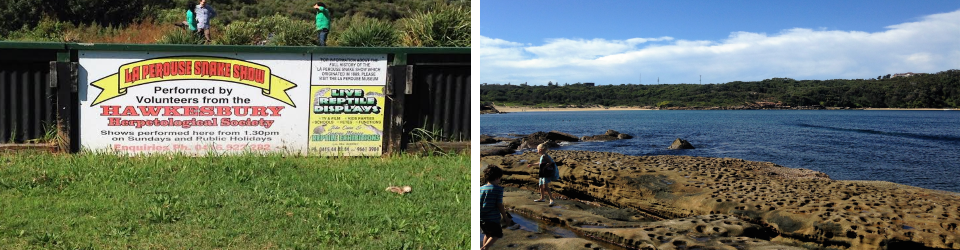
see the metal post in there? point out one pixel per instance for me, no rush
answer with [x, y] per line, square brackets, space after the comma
[67, 102]
[395, 115]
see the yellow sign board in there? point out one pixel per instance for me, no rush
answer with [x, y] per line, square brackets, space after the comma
[346, 120]
[193, 67]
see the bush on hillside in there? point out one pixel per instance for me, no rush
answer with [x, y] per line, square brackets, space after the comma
[238, 33]
[169, 16]
[47, 30]
[288, 32]
[273, 30]
[368, 32]
[444, 26]
[179, 36]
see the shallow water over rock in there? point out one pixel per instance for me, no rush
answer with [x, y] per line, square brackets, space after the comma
[916, 148]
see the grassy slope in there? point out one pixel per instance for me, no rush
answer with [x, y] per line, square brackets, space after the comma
[92, 201]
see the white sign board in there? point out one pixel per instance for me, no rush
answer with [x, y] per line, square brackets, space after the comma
[195, 103]
[350, 70]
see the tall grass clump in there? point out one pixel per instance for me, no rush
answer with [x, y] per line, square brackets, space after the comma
[368, 32]
[293, 33]
[179, 36]
[281, 30]
[272, 30]
[445, 26]
[238, 33]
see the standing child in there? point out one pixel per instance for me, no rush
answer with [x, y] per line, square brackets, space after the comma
[491, 207]
[548, 172]
[323, 23]
[191, 19]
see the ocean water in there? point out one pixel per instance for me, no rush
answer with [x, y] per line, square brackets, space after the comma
[917, 148]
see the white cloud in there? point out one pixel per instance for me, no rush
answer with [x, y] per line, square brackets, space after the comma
[929, 45]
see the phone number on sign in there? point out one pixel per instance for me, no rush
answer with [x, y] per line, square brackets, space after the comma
[233, 147]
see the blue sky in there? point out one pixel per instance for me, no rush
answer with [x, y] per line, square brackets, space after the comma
[614, 42]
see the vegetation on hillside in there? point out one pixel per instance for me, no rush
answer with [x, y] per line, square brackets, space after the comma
[411, 23]
[939, 90]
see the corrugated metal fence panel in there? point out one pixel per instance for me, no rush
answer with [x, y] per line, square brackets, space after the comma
[27, 103]
[440, 101]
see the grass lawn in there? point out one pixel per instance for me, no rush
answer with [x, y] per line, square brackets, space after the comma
[97, 201]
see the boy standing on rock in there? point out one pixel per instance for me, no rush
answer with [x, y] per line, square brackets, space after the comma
[491, 207]
[548, 172]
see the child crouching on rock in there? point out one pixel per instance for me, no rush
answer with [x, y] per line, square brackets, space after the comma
[491, 207]
[548, 172]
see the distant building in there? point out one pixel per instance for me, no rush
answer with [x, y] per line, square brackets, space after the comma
[588, 84]
[904, 74]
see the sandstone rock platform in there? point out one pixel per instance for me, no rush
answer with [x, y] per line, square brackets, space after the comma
[795, 207]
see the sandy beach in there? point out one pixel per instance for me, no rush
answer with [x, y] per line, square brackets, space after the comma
[513, 109]
[685, 202]
[940, 109]
[536, 109]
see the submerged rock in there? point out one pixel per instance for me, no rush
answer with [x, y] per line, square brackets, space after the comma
[561, 136]
[496, 151]
[680, 144]
[598, 138]
[486, 139]
[533, 143]
[608, 136]
[552, 138]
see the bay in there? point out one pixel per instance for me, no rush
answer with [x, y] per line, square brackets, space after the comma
[917, 148]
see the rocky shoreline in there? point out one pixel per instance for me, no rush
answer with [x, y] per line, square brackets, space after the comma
[689, 202]
[551, 139]
[755, 106]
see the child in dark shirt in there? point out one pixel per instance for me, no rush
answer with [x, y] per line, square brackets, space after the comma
[491, 207]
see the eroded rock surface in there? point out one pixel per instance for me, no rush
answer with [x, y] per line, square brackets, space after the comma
[610, 228]
[803, 207]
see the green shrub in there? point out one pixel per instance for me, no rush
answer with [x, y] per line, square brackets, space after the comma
[271, 30]
[238, 33]
[293, 33]
[368, 32]
[271, 22]
[179, 36]
[47, 30]
[337, 26]
[281, 30]
[166, 16]
[444, 26]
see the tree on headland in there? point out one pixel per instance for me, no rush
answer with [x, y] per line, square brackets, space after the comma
[939, 90]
